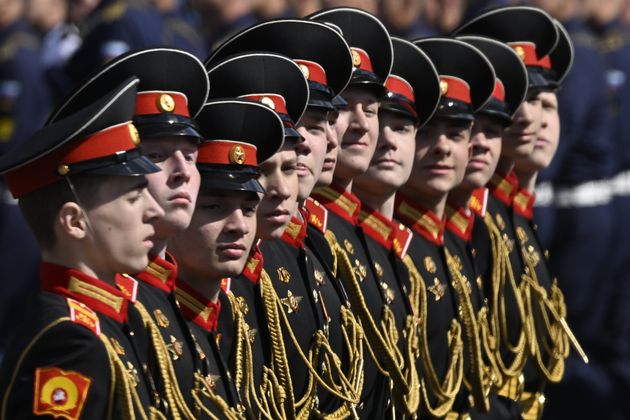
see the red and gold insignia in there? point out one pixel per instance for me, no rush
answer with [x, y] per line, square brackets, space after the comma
[478, 202]
[81, 314]
[60, 393]
[317, 214]
[402, 239]
[226, 284]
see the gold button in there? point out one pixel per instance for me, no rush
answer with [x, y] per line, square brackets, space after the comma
[63, 170]
[237, 155]
[166, 103]
[520, 52]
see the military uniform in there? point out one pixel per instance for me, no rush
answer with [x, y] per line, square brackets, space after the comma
[86, 347]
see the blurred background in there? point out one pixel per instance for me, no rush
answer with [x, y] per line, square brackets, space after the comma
[583, 199]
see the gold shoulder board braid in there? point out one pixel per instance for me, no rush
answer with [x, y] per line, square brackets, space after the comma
[446, 390]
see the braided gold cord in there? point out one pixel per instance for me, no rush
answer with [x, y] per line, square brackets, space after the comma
[476, 379]
[444, 391]
[498, 325]
[174, 397]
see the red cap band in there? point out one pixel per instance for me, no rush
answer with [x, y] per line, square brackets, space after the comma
[455, 88]
[312, 71]
[361, 59]
[161, 102]
[51, 167]
[227, 152]
[527, 52]
[499, 91]
[272, 100]
[401, 87]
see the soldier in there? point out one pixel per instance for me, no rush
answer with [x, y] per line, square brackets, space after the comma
[466, 203]
[372, 61]
[81, 351]
[441, 154]
[294, 264]
[413, 91]
[223, 227]
[538, 301]
[164, 115]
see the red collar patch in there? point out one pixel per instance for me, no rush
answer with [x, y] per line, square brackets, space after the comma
[424, 222]
[94, 293]
[340, 202]
[377, 226]
[160, 273]
[523, 203]
[460, 221]
[295, 232]
[197, 308]
[254, 265]
[504, 187]
[478, 202]
[316, 214]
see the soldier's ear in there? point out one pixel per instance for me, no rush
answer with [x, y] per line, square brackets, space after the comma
[72, 221]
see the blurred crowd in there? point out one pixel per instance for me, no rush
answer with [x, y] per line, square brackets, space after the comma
[47, 47]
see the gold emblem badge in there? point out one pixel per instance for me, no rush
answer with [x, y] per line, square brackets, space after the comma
[237, 155]
[242, 305]
[251, 335]
[348, 246]
[268, 101]
[135, 136]
[283, 275]
[200, 352]
[132, 372]
[360, 271]
[387, 292]
[356, 59]
[522, 236]
[165, 103]
[305, 71]
[175, 347]
[319, 277]
[161, 319]
[532, 255]
[509, 243]
[60, 393]
[120, 350]
[429, 265]
[443, 87]
[437, 289]
[292, 302]
[211, 381]
[520, 52]
[378, 268]
[500, 222]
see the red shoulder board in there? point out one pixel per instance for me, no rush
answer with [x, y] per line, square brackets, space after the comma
[402, 239]
[60, 393]
[317, 214]
[478, 202]
[81, 314]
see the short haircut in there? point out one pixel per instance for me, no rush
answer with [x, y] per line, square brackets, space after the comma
[41, 207]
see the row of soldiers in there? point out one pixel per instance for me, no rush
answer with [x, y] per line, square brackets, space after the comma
[321, 220]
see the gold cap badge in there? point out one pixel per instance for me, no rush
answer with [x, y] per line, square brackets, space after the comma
[63, 170]
[237, 155]
[165, 103]
[356, 59]
[520, 52]
[268, 101]
[443, 87]
[135, 136]
[305, 71]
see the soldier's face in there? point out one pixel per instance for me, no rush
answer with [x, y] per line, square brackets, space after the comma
[120, 232]
[315, 130]
[220, 235]
[519, 138]
[338, 127]
[176, 186]
[279, 178]
[359, 141]
[548, 137]
[486, 151]
[393, 159]
[442, 152]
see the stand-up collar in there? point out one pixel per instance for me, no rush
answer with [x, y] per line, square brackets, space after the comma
[460, 221]
[344, 204]
[421, 220]
[377, 226]
[160, 273]
[197, 308]
[503, 187]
